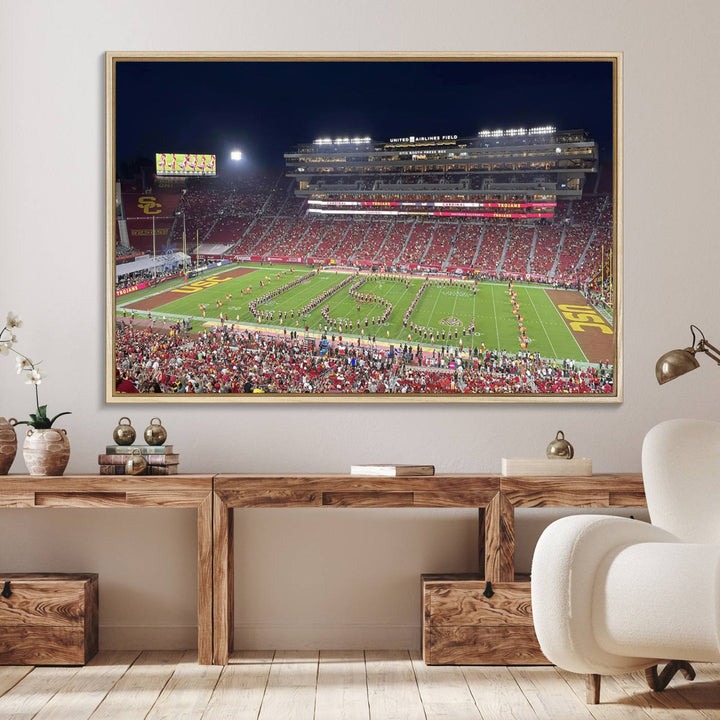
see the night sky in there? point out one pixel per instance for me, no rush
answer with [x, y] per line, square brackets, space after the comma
[265, 108]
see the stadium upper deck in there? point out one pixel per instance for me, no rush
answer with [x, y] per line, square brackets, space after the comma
[523, 171]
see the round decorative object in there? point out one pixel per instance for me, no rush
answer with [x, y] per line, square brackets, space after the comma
[46, 451]
[560, 447]
[136, 463]
[155, 433]
[124, 433]
[8, 444]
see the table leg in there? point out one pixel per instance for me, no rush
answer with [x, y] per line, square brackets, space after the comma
[481, 541]
[205, 579]
[223, 581]
[499, 519]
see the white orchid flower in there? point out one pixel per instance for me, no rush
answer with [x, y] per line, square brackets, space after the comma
[23, 364]
[35, 377]
[13, 320]
[30, 372]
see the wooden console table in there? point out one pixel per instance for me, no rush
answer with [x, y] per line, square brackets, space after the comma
[495, 497]
[215, 497]
[92, 491]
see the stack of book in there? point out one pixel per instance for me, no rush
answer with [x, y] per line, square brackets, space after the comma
[160, 459]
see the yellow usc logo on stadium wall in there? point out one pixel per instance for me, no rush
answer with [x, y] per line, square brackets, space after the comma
[580, 317]
[149, 205]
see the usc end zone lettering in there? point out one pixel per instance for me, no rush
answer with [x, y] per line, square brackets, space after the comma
[200, 285]
[580, 317]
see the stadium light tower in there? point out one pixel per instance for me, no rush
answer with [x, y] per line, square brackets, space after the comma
[154, 255]
[184, 244]
[181, 213]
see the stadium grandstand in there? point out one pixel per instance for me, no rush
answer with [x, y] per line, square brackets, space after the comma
[516, 203]
[517, 173]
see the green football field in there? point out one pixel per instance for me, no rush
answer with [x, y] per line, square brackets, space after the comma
[444, 306]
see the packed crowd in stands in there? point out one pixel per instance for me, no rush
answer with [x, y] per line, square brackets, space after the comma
[331, 237]
[518, 255]
[293, 235]
[374, 239]
[442, 239]
[571, 251]
[491, 251]
[546, 248]
[257, 215]
[240, 361]
[466, 243]
[353, 239]
[227, 360]
[395, 240]
[309, 240]
[417, 243]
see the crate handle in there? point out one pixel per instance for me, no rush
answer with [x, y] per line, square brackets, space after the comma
[488, 592]
[6, 592]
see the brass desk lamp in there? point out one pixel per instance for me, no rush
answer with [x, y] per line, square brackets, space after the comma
[677, 362]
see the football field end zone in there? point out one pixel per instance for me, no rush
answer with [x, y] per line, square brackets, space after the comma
[589, 328]
[164, 297]
[171, 283]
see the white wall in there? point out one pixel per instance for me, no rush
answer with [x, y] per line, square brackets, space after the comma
[331, 578]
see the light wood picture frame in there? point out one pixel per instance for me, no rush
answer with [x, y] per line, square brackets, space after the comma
[353, 227]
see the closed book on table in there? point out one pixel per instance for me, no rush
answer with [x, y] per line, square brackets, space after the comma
[110, 459]
[162, 470]
[392, 470]
[149, 470]
[144, 449]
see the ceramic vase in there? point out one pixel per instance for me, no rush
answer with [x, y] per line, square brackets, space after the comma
[46, 451]
[8, 445]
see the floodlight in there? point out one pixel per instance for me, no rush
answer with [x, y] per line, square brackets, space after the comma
[235, 155]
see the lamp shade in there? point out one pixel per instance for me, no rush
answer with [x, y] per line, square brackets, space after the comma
[675, 363]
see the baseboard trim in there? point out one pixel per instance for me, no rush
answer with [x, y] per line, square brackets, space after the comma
[265, 636]
[148, 637]
[327, 637]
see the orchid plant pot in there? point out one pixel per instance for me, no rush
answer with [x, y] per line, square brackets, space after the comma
[45, 448]
[46, 451]
[8, 445]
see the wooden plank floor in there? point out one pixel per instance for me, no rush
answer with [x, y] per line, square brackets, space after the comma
[347, 685]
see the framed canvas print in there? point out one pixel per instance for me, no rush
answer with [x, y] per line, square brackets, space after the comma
[364, 227]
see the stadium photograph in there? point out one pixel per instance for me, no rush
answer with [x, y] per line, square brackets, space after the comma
[358, 227]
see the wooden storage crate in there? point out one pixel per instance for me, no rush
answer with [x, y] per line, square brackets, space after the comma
[48, 618]
[461, 626]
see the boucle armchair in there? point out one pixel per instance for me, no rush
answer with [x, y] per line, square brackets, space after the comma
[614, 595]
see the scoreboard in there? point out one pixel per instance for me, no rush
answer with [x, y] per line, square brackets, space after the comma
[184, 165]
